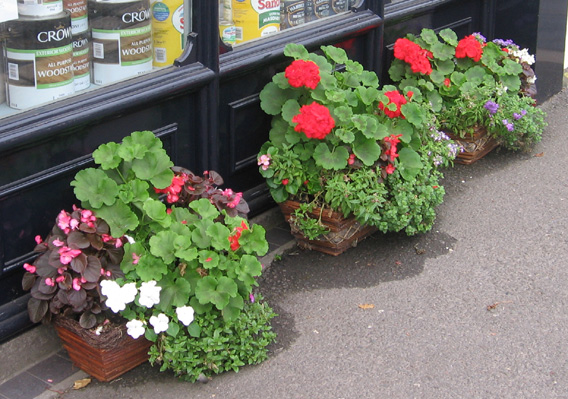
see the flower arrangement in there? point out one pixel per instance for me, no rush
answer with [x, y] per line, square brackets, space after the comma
[188, 257]
[462, 78]
[337, 141]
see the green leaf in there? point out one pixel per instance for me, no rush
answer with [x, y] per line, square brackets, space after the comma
[512, 67]
[151, 268]
[403, 127]
[435, 100]
[429, 36]
[513, 83]
[253, 240]
[335, 96]
[335, 160]
[209, 259]
[107, 156]
[367, 150]
[343, 114]
[370, 79]
[205, 209]
[248, 266]
[437, 77]
[175, 292]
[344, 135]
[155, 167]
[199, 235]
[411, 161]
[134, 190]
[369, 126]
[139, 143]
[156, 210]
[443, 51]
[217, 292]
[413, 114]
[219, 236]
[449, 36]
[173, 329]
[324, 66]
[281, 81]
[119, 217]
[368, 95]
[296, 51]
[194, 330]
[272, 98]
[338, 55]
[94, 187]
[475, 74]
[233, 309]
[290, 109]
[397, 70]
[445, 67]
[162, 245]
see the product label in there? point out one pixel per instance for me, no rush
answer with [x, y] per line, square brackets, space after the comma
[39, 8]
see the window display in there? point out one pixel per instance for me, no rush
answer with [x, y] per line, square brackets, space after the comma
[56, 48]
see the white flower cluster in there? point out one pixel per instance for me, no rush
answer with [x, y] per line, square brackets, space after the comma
[118, 297]
[524, 56]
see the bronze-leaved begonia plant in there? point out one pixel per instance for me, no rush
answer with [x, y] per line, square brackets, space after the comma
[338, 141]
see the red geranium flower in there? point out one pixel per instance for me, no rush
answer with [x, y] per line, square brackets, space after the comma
[302, 73]
[470, 47]
[394, 98]
[447, 82]
[314, 121]
[418, 58]
[389, 169]
[234, 239]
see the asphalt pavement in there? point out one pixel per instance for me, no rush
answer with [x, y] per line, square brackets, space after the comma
[476, 308]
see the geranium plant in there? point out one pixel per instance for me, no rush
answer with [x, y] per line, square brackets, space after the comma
[338, 141]
[460, 78]
[187, 256]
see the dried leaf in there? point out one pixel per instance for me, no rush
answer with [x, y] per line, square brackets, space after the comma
[79, 384]
[366, 306]
[540, 154]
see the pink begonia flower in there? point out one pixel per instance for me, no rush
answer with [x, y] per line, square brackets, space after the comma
[59, 279]
[66, 254]
[73, 224]
[135, 258]
[228, 192]
[251, 296]
[30, 268]
[61, 270]
[50, 282]
[76, 284]
[63, 220]
[118, 243]
[58, 243]
[38, 239]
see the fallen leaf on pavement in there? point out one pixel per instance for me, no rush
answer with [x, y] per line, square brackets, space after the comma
[81, 383]
[367, 306]
[540, 154]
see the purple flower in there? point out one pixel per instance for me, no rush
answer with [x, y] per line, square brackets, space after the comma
[504, 43]
[479, 36]
[510, 127]
[517, 116]
[491, 106]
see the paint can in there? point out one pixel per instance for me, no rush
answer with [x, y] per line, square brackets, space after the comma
[168, 37]
[81, 61]
[339, 6]
[39, 8]
[39, 60]
[292, 13]
[79, 15]
[255, 18]
[121, 39]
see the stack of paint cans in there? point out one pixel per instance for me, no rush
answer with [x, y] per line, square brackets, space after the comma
[81, 47]
[39, 54]
[298, 12]
[121, 39]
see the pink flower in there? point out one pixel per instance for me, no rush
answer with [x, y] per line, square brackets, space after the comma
[135, 258]
[390, 168]
[251, 297]
[76, 284]
[66, 254]
[60, 279]
[30, 268]
[63, 220]
[50, 282]
[38, 239]
[58, 243]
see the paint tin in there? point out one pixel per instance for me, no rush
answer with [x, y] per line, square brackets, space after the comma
[39, 60]
[81, 61]
[292, 13]
[167, 31]
[322, 8]
[255, 18]
[309, 13]
[39, 8]
[338, 6]
[121, 40]
[79, 15]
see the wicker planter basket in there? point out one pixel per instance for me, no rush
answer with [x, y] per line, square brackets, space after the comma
[344, 233]
[104, 356]
[475, 147]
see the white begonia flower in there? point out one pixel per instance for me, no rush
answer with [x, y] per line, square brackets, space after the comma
[129, 239]
[149, 294]
[135, 328]
[117, 296]
[185, 314]
[160, 323]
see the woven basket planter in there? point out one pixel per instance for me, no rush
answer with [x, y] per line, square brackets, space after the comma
[343, 234]
[102, 356]
[475, 146]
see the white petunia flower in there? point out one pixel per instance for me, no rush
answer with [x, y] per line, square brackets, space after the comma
[160, 323]
[135, 328]
[149, 294]
[185, 314]
[117, 296]
[129, 239]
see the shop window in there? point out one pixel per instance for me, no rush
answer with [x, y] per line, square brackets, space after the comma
[52, 49]
[241, 21]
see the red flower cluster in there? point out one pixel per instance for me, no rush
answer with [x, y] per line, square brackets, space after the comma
[234, 239]
[447, 82]
[173, 189]
[314, 121]
[395, 98]
[418, 58]
[302, 73]
[393, 141]
[470, 47]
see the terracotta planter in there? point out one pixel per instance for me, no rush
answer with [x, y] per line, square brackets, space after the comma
[104, 358]
[344, 233]
[475, 147]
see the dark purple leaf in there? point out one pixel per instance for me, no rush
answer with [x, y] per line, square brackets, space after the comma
[62, 296]
[77, 240]
[79, 264]
[115, 255]
[92, 272]
[54, 258]
[43, 265]
[37, 309]
[77, 299]
[87, 320]
[28, 281]
[46, 289]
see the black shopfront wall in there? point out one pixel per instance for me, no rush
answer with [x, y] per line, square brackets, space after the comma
[206, 110]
